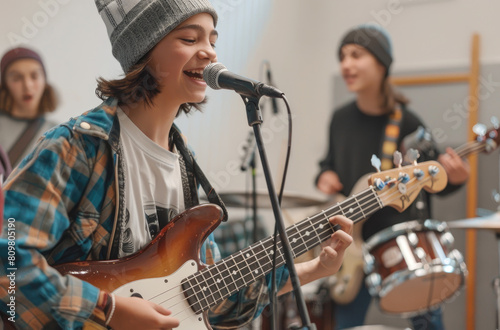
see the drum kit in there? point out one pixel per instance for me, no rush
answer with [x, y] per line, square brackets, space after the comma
[411, 259]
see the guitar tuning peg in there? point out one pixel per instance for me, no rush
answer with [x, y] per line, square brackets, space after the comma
[479, 129]
[428, 135]
[496, 195]
[495, 122]
[433, 170]
[397, 158]
[376, 162]
[411, 156]
[421, 133]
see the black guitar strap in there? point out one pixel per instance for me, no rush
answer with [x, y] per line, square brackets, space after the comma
[194, 174]
[24, 139]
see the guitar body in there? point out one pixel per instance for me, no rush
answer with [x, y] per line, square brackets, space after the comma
[160, 267]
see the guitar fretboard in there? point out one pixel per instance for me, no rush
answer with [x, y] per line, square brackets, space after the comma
[213, 284]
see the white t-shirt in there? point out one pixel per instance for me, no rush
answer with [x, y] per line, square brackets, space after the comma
[153, 187]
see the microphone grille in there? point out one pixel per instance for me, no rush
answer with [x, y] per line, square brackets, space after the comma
[211, 74]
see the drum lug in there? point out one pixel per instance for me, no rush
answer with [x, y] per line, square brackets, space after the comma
[459, 258]
[420, 253]
[369, 264]
[413, 239]
[447, 240]
[373, 283]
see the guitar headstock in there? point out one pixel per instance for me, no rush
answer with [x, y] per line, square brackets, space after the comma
[399, 187]
[490, 138]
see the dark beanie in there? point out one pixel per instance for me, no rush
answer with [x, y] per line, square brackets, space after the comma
[16, 54]
[374, 38]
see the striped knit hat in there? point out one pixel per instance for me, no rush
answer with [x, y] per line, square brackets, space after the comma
[136, 26]
[375, 39]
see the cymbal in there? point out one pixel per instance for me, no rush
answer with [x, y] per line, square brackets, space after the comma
[289, 200]
[491, 222]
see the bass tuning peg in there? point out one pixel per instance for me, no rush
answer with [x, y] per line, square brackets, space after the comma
[495, 122]
[479, 129]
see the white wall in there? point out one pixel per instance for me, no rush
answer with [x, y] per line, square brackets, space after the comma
[302, 46]
[298, 38]
[72, 40]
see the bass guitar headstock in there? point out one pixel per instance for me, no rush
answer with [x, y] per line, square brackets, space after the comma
[489, 139]
[400, 186]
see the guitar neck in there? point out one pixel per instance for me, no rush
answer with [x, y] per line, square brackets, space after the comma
[470, 148]
[213, 284]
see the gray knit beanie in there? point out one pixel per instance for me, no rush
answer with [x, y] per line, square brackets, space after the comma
[136, 26]
[374, 38]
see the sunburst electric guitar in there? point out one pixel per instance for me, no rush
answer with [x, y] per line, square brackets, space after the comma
[168, 271]
[345, 285]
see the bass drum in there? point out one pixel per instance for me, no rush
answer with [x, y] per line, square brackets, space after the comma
[412, 268]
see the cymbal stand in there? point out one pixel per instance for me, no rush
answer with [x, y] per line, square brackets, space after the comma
[248, 162]
[496, 281]
[496, 286]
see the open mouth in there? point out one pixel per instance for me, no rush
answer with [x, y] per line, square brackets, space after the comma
[194, 74]
[349, 78]
[27, 98]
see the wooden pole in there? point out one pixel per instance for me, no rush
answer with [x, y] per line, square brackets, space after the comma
[471, 235]
[472, 78]
[431, 79]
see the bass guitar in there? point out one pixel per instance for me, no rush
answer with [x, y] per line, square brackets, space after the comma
[168, 271]
[345, 285]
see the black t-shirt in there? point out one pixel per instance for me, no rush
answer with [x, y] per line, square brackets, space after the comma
[354, 138]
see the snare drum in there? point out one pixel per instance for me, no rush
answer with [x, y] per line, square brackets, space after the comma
[411, 267]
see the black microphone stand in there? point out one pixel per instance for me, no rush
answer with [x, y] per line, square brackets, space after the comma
[253, 174]
[254, 117]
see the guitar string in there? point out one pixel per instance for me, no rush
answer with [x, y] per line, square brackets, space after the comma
[282, 262]
[472, 149]
[256, 260]
[317, 215]
[265, 254]
[352, 201]
[215, 299]
[212, 295]
[469, 148]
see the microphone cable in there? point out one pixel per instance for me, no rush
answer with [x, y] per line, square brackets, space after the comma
[273, 295]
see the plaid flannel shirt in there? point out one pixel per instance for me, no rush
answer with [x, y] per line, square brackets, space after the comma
[67, 199]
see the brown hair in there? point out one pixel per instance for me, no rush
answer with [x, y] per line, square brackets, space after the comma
[391, 95]
[138, 85]
[48, 102]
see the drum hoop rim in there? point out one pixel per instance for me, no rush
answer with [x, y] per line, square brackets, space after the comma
[402, 228]
[409, 275]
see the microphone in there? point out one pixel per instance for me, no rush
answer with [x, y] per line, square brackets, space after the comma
[270, 82]
[217, 76]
